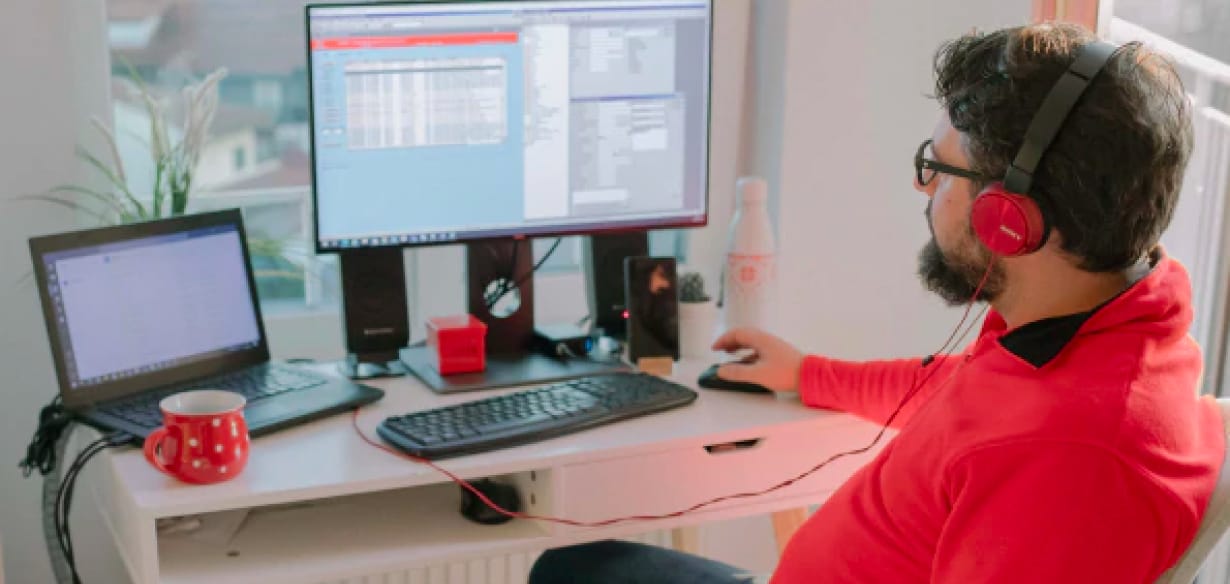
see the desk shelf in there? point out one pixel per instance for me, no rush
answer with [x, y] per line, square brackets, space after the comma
[327, 539]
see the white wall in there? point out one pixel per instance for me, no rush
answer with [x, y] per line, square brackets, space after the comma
[47, 58]
[841, 109]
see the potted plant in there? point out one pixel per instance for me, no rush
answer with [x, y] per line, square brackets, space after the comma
[174, 161]
[697, 316]
[175, 147]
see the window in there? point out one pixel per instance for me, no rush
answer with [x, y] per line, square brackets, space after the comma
[267, 94]
[1196, 35]
[568, 258]
[257, 156]
[1199, 25]
[241, 159]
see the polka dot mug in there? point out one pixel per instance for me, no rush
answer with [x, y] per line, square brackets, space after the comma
[203, 439]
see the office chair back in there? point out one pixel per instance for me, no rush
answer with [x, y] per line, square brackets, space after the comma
[1215, 524]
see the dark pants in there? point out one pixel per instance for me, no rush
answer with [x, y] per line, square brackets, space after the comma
[619, 562]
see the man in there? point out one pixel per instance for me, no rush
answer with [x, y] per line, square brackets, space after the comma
[1066, 443]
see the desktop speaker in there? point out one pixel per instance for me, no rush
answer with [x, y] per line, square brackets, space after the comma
[377, 321]
[604, 268]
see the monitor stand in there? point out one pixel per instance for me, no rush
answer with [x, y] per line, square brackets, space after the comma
[491, 264]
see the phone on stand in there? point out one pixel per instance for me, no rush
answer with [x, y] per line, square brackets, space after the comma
[651, 295]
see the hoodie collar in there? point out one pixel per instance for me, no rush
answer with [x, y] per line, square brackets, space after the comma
[1158, 301]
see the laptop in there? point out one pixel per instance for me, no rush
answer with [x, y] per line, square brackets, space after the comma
[138, 312]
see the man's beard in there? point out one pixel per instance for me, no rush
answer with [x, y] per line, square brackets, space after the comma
[956, 279]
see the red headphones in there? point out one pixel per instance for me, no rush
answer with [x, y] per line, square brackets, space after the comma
[1005, 218]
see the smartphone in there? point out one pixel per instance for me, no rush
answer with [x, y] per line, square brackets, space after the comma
[651, 294]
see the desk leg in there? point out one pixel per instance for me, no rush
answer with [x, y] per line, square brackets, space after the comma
[785, 523]
[686, 539]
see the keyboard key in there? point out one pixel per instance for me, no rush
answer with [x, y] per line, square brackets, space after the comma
[509, 424]
[254, 384]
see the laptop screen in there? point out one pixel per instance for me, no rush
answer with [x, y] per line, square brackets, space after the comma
[128, 308]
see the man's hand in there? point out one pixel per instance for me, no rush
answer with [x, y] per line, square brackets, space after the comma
[774, 365]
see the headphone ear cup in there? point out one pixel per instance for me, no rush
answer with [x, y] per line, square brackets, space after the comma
[1008, 224]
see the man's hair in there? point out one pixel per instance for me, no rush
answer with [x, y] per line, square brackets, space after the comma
[1110, 180]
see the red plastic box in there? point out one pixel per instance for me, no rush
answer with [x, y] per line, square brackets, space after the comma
[459, 343]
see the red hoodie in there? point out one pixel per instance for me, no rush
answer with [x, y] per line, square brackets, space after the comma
[1072, 449]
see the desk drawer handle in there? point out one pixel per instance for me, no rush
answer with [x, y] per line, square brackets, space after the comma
[732, 446]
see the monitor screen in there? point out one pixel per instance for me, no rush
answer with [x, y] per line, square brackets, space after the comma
[139, 306]
[436, 122]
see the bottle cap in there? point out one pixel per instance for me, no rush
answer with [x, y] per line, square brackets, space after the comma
[751, 190]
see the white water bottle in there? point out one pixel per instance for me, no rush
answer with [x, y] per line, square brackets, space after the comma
[749, 283]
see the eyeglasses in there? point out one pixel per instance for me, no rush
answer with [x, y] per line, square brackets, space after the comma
[925, 169]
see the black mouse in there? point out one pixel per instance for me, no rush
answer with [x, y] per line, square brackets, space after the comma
[475, 510]
[710, 380]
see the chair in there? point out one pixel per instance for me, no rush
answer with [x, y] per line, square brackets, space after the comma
[1215, 524]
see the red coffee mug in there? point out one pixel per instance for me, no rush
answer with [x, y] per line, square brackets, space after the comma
[203, 439]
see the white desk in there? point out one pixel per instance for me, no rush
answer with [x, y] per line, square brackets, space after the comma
[329, 507]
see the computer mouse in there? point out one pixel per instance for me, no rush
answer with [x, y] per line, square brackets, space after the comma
[710, 380]
[476, 510]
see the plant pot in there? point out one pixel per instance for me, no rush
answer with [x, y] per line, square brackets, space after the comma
[698, 328]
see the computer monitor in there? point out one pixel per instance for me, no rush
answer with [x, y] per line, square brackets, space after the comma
[487, 122]
[440, 122]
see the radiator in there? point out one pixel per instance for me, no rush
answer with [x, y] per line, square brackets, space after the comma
[503, 569]
[1196, 238]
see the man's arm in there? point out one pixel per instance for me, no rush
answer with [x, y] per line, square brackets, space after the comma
[873, 389]
[1055, 512]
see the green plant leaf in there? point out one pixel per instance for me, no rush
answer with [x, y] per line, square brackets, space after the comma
[132, 71]
[296, 275]
[115, 181]
[75, 206]
[274, 245]
[179, 193]
[110, 200]
[159, 195]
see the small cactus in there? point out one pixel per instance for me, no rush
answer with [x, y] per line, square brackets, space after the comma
[692, 288]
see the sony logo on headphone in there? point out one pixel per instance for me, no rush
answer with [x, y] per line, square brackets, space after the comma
[1007, 230]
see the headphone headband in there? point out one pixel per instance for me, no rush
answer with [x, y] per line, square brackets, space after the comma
[1059, 102]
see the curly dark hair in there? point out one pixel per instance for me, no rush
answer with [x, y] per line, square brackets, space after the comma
[1110, 181]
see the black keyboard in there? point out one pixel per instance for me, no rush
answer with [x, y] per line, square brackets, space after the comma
[254, 384]
[532, 415]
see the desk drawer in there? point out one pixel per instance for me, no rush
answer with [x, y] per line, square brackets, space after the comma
[674, 480]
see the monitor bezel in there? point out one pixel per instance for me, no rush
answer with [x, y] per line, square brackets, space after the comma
[597, 228]
[109, 390]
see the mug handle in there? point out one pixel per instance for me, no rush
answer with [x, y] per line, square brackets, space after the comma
[153, 446]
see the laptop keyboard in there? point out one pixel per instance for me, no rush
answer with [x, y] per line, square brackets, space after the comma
[255, 384]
